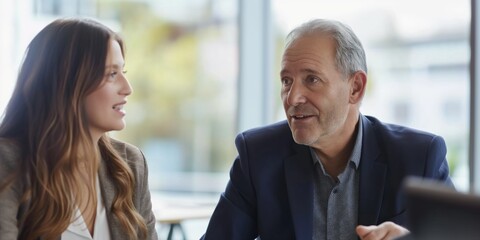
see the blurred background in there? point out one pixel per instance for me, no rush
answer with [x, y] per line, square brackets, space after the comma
[204, 70]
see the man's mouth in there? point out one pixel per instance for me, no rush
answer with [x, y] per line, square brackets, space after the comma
[300, 116]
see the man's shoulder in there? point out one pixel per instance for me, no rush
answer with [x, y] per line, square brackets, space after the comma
[271, 131]
[395, 130]
[273, 137]
[398, 136]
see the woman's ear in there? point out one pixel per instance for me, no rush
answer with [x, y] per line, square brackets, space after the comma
[358, 85]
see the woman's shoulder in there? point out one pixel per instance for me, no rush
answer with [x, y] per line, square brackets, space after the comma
[9, 154]
[129, 152]
[125, 148]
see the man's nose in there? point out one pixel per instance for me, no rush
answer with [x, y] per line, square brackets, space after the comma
[296, 95]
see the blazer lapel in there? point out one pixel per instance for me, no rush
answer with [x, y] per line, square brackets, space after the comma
[108, 193]
[372, 176]
[299, 179]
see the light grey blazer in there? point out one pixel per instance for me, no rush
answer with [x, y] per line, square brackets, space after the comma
[11, 210]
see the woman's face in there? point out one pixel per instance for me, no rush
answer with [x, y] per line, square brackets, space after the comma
[104, 106]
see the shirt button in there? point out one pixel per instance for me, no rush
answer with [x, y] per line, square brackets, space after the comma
[335, 190]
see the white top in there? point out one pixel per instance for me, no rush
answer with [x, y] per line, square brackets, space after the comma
[77, 230]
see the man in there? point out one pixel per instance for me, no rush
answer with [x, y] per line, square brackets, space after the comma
[328, 172]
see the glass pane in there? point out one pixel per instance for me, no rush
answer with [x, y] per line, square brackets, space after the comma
[418, 61]
[182, 63]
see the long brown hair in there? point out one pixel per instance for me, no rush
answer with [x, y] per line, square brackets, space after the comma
[46, 118]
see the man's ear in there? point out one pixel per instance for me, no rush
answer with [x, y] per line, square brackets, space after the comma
[358, 85]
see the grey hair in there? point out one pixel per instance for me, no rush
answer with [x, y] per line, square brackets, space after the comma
[350, 55]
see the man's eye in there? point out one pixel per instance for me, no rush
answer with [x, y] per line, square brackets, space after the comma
[312, 79]
[286, 81]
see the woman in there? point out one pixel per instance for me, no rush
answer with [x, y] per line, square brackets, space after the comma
[61, 176]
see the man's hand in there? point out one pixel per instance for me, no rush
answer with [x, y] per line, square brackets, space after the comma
[384, 231]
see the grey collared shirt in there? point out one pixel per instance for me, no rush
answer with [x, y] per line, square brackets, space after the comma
[335, 202]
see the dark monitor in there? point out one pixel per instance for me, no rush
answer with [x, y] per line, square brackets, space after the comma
[438, 212]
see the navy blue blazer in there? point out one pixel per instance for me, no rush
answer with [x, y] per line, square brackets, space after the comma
[270, 192]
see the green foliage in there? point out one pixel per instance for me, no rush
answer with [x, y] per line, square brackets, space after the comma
[172, 98]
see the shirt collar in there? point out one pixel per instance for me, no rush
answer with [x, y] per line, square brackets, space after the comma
[78, 229]
[357, 148]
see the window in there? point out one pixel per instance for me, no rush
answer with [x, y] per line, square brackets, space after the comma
[182, 63]
[64, 7]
